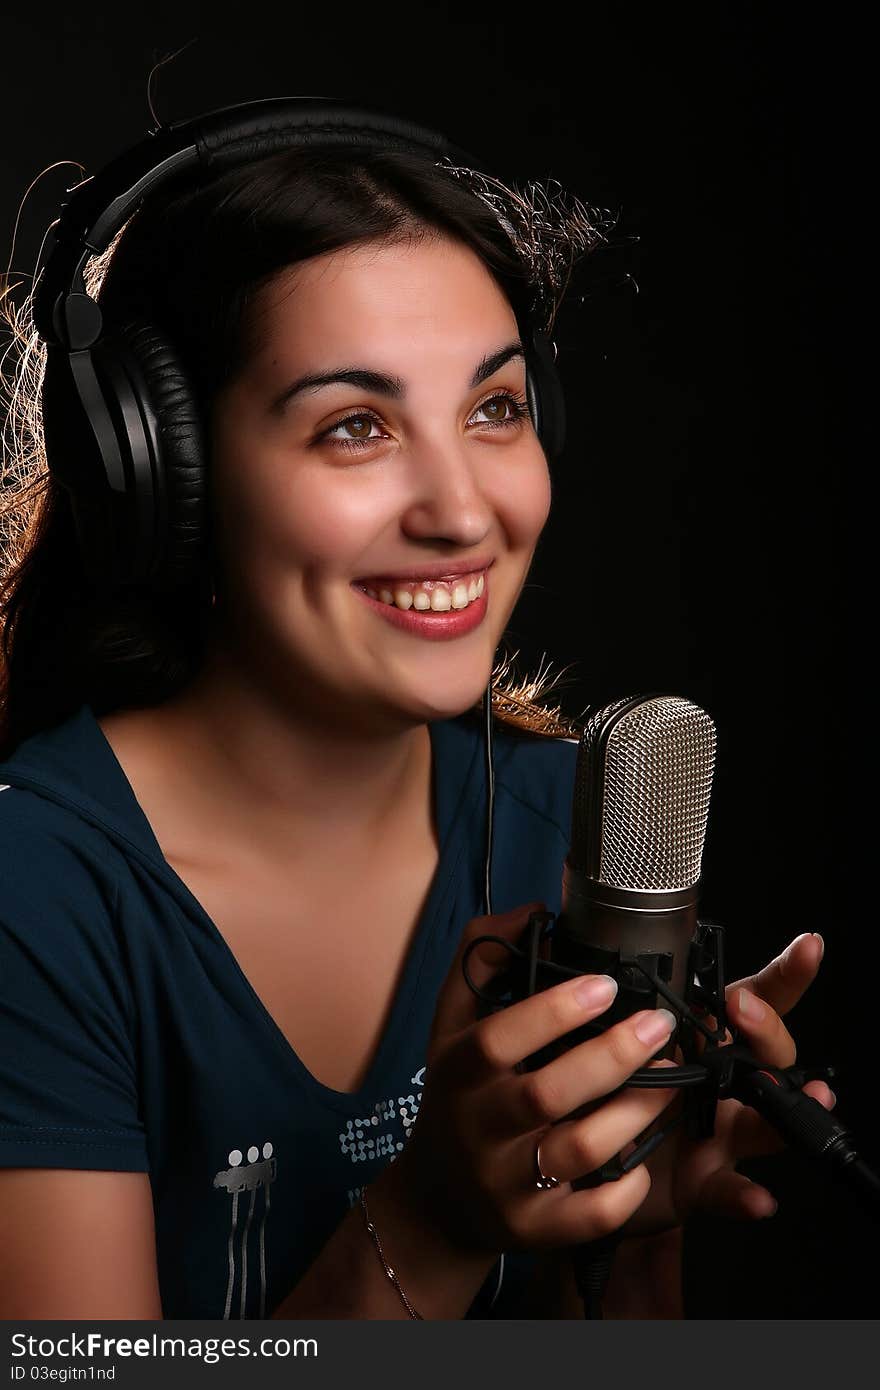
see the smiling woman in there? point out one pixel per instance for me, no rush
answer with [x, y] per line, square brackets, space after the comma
[283, 737]
[297, 220]
[242, 802]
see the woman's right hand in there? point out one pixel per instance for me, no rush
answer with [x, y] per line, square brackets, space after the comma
[469, 1164]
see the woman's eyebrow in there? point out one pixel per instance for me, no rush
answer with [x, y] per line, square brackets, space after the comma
[367, 380]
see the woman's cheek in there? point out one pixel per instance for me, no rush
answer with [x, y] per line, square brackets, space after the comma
[526, 502]
[282, 512]
[336, 516]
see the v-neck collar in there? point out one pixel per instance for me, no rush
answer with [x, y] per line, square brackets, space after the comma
[75, 765]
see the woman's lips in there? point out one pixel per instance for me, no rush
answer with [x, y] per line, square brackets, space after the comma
[435, 627]
[431, 571]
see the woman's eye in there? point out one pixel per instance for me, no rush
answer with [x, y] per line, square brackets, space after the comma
[360, 427]
[506, 401]
[505, 410]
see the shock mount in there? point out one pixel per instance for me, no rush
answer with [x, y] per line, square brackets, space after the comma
[714, 1064]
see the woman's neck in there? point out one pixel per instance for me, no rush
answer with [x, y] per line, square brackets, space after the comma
[293, 785]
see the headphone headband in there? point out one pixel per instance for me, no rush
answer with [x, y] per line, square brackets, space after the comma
[103, 203]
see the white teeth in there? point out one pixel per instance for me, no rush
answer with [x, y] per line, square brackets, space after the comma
[443, 596]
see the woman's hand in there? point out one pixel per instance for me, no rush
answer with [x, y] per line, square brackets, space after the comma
[700, 1175]
[468, 1169]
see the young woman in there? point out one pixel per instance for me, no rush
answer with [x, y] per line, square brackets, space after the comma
[241, 832]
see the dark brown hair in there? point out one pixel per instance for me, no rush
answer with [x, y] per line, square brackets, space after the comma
[189, 262]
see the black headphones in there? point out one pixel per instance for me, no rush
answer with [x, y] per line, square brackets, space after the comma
[121, 422]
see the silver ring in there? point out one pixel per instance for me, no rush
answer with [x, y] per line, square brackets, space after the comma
[543, 1180]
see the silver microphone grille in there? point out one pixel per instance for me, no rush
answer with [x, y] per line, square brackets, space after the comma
[642, 788]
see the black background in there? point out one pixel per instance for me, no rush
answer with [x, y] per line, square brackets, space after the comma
[696, 541]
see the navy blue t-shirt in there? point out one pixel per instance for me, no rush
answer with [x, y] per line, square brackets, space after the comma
[130, 1039]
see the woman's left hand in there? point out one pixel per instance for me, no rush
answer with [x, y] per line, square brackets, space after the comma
[689, 1175]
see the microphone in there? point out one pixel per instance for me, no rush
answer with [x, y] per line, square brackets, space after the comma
[630, 890]
[629, 909]
[631, 880]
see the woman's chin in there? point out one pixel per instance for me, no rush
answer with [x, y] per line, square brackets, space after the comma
[442, 701]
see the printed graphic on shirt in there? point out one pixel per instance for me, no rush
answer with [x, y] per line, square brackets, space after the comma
[258, 1173]
[382, 1132]
[362, 1139]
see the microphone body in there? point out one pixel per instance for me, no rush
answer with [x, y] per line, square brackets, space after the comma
[601, 927]
[630, 885]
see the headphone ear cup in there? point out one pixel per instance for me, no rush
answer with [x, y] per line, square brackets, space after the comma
[160, 430]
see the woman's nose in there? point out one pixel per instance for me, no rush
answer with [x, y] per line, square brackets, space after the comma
[447, 502]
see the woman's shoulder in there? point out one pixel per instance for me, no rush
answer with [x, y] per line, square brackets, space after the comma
[63, 944]
[45, 844]
[62, 947]
[58, 801]
[58, 888]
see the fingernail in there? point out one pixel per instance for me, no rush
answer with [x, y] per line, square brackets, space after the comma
[596, 991]
[654, 1026]
[821, 944]
[751, 1006]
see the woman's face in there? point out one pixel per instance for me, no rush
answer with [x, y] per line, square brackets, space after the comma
[419, 478]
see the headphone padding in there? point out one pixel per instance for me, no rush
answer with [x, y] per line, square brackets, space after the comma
[181, 453]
